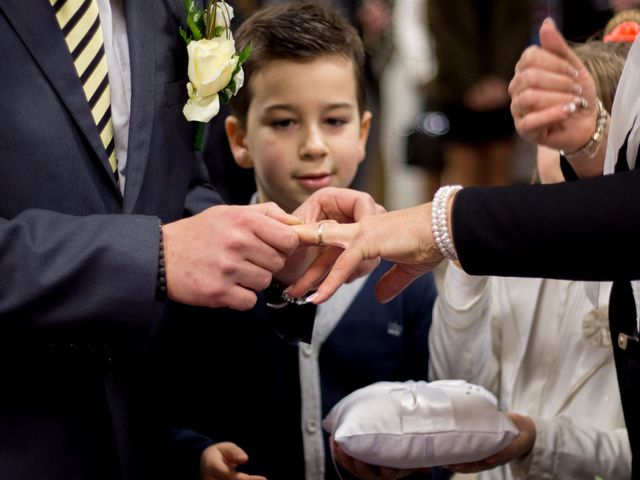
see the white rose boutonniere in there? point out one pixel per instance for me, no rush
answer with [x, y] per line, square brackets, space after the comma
[215, 68]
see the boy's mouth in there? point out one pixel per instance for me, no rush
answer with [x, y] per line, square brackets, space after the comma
[314, 181]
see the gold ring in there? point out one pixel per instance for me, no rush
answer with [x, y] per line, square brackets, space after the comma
[320, 232]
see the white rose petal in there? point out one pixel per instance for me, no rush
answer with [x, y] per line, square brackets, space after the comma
[239, 78]
[224, 14]
[211, 64]
[201, 109]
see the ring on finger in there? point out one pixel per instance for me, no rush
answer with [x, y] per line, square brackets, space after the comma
[320, 233]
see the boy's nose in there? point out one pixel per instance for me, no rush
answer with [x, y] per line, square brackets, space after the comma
[313, 144]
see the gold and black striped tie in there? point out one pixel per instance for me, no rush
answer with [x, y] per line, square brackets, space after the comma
[80, 24]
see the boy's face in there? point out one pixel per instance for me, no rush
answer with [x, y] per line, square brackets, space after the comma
[303, 129]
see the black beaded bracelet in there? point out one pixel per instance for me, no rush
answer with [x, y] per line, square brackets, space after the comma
[161, 288]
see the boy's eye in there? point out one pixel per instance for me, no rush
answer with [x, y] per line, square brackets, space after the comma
[283, 123]
[336, 122]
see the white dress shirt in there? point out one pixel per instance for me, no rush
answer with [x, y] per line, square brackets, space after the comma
[116, 46]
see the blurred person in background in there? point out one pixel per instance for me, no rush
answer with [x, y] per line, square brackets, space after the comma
[476, 46]
[401, 100]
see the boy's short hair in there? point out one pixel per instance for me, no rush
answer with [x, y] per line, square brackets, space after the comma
[297, 31]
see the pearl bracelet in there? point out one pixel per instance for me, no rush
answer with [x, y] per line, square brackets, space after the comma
[439, 221]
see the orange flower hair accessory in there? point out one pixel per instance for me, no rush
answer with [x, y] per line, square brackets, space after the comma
[625, 32]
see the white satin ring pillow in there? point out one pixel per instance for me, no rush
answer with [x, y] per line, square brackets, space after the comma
[420, 424]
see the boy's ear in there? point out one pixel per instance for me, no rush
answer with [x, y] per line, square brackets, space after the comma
[236, 137]
[365, 126]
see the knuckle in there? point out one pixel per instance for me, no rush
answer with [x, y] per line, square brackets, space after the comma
[279, 262]
[525, 98]
[246, 304]
[291, 241]
[216, 290]
[528, 77]
[235, 240]
[263, 282]
[227, 268]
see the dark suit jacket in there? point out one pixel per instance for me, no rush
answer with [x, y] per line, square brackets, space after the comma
[586, 230]
[232, 378]
[78, 261]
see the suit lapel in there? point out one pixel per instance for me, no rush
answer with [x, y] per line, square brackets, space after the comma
[38, 28]
[142, 60]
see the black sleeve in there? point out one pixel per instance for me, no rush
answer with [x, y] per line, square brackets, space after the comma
[568, 172]
[186, 449]
[583, 230]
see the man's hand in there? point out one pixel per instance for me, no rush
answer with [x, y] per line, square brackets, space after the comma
[222, 256]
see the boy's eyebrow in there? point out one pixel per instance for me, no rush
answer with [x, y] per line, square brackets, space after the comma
[332, 106]
[279, 106]
[287, 106]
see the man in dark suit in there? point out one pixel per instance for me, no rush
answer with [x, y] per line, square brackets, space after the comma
[81, 249]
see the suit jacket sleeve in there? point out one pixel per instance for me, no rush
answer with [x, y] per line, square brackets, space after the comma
[186, 450]
[201, 194]
[582, 230]
[60, 270]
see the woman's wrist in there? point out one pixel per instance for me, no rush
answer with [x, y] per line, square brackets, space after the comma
[588, 160]
[441, 220]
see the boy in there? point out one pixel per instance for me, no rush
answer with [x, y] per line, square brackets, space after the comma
[300, 122]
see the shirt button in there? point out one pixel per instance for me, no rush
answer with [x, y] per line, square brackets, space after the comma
[312, 426]
[307, 350]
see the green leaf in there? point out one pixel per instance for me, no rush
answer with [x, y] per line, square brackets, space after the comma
[185, 36]
[224, 96]
[246, 51]
[244, 54]
[237, 69]
[218, 31]
[195, 19]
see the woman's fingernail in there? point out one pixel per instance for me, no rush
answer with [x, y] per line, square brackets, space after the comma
[550, 21]
[570, 107]
[577, 89]
[572, 71]
[311, 297]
